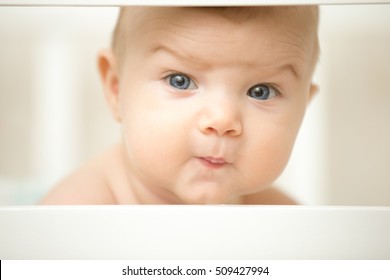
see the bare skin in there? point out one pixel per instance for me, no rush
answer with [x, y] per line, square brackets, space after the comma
[93, 184]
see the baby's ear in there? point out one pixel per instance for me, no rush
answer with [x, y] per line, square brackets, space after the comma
[110, 79]
[312, 91]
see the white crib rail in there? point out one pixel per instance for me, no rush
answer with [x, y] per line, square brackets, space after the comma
[181, 2]
[194, 232]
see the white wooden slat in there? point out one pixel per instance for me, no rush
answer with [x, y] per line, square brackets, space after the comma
[181, 2]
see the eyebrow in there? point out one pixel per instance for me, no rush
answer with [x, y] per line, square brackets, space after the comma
[288, 67]
[182, 57]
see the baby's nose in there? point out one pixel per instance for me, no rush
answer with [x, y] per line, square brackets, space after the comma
[222, 118]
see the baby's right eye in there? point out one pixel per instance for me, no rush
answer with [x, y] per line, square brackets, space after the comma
[181, 81]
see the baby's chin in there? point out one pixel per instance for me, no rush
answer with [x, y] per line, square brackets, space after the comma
[204, 196]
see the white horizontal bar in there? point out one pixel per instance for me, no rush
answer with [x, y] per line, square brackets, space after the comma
[181, 2]
[155, 232]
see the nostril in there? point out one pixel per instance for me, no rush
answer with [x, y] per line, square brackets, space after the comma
[210, 130]
[233, 132]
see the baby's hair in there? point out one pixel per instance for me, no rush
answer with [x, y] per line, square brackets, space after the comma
[306, 17]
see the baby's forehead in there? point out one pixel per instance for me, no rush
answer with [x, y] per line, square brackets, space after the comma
[140, 22]
[136, 24]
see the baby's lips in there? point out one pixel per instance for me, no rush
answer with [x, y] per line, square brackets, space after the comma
[215, 160]
[213, 163]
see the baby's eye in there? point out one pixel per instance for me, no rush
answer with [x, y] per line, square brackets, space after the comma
[262, 92]
[181, 81]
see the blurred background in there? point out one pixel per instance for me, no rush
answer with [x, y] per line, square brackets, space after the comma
[53, 116]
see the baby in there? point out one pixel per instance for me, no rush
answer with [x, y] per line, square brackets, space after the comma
[210, 101]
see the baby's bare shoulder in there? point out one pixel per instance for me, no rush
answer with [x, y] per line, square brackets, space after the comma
[87, 185]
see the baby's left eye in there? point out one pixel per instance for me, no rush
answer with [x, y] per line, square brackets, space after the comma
[262, 92]
[181, 81]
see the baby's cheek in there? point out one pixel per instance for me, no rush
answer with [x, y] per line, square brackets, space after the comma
[153, 141]
[266, 160]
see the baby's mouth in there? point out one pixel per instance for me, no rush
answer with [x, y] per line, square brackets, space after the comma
[213, 162]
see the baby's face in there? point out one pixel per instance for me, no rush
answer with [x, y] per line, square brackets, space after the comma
[210, 108]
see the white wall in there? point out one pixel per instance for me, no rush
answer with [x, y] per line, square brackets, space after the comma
[53, 116]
